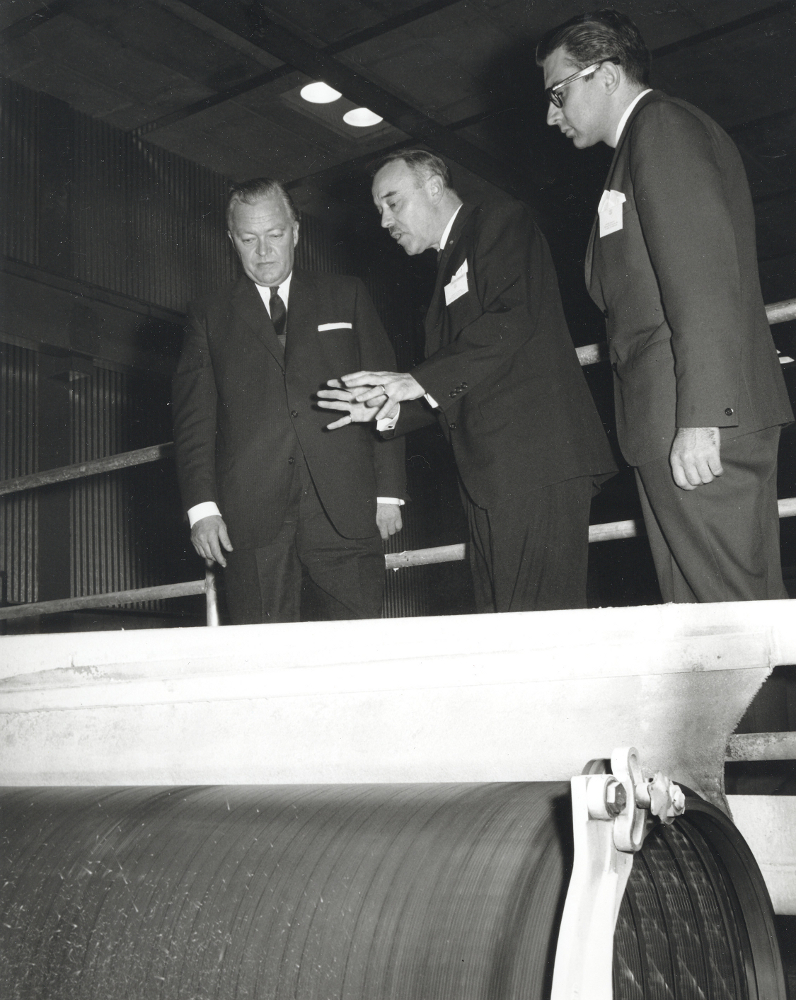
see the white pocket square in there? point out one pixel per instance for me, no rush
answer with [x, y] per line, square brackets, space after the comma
[322, 327]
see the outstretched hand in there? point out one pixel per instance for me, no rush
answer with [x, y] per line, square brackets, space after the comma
[339, 398]
[378, 391]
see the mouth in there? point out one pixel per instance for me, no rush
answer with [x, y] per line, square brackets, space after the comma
[396, 234]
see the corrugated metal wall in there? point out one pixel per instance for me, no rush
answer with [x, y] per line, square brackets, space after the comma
[18, 512]
[91, 204]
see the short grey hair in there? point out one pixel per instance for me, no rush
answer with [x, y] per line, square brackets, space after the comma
[254, 190]
[420, 162]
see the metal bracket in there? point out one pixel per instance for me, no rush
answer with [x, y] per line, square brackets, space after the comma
[611, 815]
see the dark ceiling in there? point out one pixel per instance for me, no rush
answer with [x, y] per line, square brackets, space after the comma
[216, 81]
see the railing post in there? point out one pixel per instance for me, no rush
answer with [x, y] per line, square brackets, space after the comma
[211, 596]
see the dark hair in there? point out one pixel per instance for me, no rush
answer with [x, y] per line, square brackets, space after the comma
[601, 36]
[254, 190]
[419, 161]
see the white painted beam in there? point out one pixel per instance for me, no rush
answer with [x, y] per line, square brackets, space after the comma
[523, 697]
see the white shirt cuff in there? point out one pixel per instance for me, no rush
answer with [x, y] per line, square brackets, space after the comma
[390, 500]
[201, 510]
[431, 401]
[388, 423]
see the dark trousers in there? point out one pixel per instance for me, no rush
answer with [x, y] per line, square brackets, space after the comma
[531, 553]
[719, 542]
[346, 574]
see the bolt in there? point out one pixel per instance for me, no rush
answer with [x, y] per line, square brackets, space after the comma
[615, 798]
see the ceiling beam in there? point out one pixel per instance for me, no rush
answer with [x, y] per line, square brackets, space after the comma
[320, 64]
[724, 29]
[25, 24]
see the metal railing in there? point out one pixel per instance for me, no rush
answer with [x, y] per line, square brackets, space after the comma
[778, 312]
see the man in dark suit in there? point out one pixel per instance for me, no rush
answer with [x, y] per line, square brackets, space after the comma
[502, 378]
[268, 491]
[672, 262]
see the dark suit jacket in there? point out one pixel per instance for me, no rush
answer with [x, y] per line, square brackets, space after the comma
[244, 409]
[679, 286]
[501, 364]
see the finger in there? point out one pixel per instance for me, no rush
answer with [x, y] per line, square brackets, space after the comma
[223, 535]
[335, 383]
[331, 404]
[679, 476]
[215, 550]
[365, 378]
[388, 410]
[342, 394]
[342, 422]
[366, 393]
[715, 466]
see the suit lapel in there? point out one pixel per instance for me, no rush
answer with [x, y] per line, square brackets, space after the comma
[250, 310]
[435, 316]
[589, 264]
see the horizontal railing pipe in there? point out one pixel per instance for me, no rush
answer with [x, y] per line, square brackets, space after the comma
[112, 463]
[104, 600]
[777, 312]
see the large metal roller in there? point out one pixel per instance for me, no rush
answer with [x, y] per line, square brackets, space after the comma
[362, 892]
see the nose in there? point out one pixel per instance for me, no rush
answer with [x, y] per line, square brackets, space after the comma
[262, 248]
[386, 219]
[553, 114]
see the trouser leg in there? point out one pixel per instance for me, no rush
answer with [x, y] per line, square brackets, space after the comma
[720, 541]
[531, 553]
[347, 573]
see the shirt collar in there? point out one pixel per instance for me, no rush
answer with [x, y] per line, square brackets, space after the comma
[284, 292]
[447, 231]
[628, 109]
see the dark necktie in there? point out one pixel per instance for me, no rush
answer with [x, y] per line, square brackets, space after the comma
[278, 314]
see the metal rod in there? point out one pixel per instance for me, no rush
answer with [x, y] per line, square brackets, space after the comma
[777, 312]
[211, 597]
[761, 746]
[123, 460]
[105, 600]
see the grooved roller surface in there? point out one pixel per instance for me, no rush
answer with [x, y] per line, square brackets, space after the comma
[397, 891]
[355, 892]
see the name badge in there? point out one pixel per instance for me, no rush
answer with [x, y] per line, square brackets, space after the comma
[610, 212]
[457, 286]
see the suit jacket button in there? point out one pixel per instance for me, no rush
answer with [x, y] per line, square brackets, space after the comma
[729, 411]
[452, 426]
[291, 460]
[613, 365]
[294, 413]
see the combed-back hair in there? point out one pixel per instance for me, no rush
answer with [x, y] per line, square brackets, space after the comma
[601, 36]
[253, 190]
[420, 161]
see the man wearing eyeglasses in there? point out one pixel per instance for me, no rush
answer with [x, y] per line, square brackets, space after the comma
[699, 393]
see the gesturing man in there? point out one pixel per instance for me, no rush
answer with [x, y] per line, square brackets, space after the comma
[267, 490]
[502, 378]
[672, 263]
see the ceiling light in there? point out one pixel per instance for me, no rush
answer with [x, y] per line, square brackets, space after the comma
[319, 93]
[361, 118]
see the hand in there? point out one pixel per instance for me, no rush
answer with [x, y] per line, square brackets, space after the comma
[695, 457]
[388, 519]
[396, 386]
[209, 537]
[340, 398]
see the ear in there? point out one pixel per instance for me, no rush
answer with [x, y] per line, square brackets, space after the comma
[435, 188]
[295, 233]
[611, 76]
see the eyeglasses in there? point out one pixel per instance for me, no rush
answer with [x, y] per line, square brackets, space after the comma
[553, 94]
